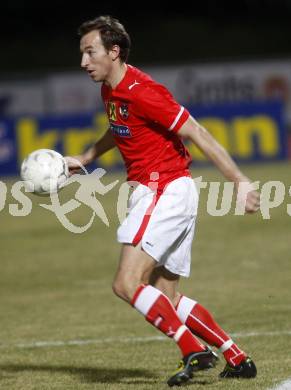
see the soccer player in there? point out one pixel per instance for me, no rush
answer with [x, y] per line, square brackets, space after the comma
[148, 125]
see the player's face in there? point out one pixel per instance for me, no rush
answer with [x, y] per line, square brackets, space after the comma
[96, 59]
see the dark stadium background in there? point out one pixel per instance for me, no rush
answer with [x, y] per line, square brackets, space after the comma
[61, 327]
[38, 37]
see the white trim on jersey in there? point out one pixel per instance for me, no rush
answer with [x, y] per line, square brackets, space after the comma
[177, 118]
[147, 297]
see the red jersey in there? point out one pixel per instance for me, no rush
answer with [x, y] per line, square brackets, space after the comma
[144, 119]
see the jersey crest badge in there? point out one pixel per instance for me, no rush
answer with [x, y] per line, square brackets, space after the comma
[123, 111]
[112, 111]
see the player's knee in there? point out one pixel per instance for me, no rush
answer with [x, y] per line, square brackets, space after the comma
[124, 289]
[120, 289]
[117, 289]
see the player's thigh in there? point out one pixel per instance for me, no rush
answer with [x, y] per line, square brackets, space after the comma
[134, 265]
[165, 281]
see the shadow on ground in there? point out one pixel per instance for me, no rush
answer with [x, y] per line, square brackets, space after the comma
[87, 374]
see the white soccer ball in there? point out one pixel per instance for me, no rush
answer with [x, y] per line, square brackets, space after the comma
[44, 171]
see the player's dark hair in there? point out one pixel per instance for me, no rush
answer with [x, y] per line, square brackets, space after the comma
[111, 31]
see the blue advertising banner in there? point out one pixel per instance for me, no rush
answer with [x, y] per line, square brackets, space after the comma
[8, 148]
[249, 131]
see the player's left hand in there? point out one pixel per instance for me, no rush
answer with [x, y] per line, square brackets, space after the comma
[253, 202]
[247, 195]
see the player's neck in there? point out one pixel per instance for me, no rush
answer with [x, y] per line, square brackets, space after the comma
[117, 74]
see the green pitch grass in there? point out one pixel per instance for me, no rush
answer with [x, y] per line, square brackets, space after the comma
[55, 292]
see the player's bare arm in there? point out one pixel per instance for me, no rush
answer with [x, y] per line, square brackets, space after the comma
[100, 147]
[192, 130]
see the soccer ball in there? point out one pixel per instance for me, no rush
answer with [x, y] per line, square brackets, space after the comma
[44, 171]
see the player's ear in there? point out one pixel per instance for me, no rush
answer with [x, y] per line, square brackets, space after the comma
[114, 52]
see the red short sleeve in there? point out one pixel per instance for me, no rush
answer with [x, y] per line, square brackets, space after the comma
[155, 103]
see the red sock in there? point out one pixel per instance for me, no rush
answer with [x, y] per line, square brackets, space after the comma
[159, 311]
[202, 324]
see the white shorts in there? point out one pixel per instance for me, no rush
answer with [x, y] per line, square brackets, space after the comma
[164, 225]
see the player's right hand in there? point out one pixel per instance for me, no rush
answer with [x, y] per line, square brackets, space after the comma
[75, 164]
